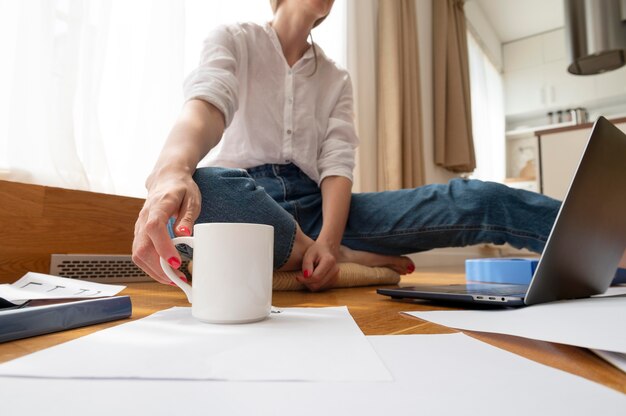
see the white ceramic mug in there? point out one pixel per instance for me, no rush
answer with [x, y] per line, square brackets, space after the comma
[232, 272]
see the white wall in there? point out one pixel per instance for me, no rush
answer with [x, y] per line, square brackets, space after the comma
[484, 32]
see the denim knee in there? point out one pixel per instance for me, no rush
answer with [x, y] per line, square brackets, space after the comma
[227, 195]
[231, 195]
[223, 181]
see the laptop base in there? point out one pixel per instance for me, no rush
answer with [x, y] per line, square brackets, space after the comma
[455, 293]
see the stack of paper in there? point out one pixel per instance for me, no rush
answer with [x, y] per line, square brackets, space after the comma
[305, 361]
[433, 375]
[595, 323]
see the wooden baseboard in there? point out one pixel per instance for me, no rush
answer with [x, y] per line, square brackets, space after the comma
[38, 221]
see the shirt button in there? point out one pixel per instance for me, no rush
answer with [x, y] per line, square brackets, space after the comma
[289, 132]
[290, 72]
[290, 100]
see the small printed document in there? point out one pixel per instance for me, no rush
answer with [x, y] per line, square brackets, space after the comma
[44, 286]
[304, 344]
[450, 374]
[595, 323]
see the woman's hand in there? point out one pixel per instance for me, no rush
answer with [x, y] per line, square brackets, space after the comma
[319, 266]
[171, 193]
[171, 189]
[319, 263]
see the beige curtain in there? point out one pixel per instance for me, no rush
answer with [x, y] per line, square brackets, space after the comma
[454, 147]
[400, 160]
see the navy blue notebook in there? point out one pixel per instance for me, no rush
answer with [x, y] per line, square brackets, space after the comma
[38, 317]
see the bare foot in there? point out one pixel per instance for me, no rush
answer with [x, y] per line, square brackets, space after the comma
[400, 264]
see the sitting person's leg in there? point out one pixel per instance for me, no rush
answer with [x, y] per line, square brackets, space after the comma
[383, 225]
[231, 195]
[460, 213]
[300, 198]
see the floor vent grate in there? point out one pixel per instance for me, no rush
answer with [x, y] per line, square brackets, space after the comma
[101, 268]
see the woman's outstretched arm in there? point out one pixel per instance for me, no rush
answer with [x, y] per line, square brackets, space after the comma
[171, 189]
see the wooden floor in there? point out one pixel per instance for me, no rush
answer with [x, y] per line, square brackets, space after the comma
[375, 315]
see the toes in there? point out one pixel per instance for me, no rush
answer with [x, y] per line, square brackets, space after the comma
[405, 265]
[410, 266]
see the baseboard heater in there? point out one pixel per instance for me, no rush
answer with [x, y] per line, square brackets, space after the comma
[101, 268]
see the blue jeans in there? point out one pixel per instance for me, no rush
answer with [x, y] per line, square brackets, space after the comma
[460, 213]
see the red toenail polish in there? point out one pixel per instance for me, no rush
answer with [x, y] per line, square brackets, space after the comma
[306, 274]
[174, 262]
[184, 230]
[410, 268]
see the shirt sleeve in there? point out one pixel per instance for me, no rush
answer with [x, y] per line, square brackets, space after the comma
[338, 149]
[215, 78]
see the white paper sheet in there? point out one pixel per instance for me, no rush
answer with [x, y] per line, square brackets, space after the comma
[308, 344]
[434, 375]
[44, 286]
[613, 291]
[614, 358]
[596, 323]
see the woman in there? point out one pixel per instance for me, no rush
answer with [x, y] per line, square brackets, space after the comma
[277, 115]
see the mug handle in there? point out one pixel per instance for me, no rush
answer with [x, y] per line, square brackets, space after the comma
[169, 271]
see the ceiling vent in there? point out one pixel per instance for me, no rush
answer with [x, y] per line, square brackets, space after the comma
[596, 35]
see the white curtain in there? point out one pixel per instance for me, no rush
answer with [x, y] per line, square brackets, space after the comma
[89, 89]
[488, 121]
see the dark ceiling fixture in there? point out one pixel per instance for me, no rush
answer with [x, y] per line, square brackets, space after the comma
[595, 32]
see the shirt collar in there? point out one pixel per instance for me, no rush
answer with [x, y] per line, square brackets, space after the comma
[276, 42]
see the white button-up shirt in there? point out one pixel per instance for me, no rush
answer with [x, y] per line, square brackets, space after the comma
[274, 113]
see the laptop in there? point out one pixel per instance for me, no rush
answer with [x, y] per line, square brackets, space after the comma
[585, 245]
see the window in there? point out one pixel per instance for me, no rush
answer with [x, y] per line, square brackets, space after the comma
[93, 87]
[488, 121]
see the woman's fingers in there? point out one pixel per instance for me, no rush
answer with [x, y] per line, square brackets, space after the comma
[327, 282]
[148, 261]
[319, 267]
[151, 241]
[308, 265]
[324, 265]
[145, 257]
[174, 195]
[332, 280]
[156, 231]
[324, 272]
[189, 212]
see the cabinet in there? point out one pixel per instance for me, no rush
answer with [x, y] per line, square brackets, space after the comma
[560, 152]
[546, 87]
[536, 79]
[523, 91]
[562, 90]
